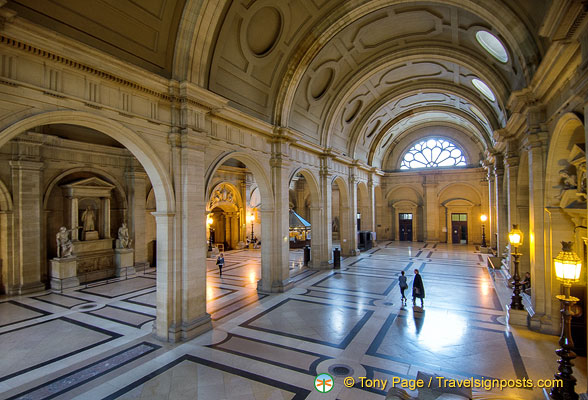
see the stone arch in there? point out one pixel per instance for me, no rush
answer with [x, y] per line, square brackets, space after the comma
[95, 170]
[569, 130]
[269, 261]
[228, 214]
[146, 155]
[411, 141]
[405, 198]
[155, 169]
[461, 198]
[475, 190]
[259, 173]
[318, 235]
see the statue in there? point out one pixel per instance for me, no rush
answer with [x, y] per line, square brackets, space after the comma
[64, 244]
[123, 241]
[88, 219]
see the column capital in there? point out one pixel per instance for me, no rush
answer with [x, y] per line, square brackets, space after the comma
[535, 140]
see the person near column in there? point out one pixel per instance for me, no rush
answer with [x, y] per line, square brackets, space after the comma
[403, 286]
[220, 261]
[526, 283]
[418, 288]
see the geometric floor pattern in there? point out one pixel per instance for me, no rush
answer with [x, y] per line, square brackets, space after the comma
[95, 342]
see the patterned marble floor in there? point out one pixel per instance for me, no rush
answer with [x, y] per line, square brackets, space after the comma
[95, 342]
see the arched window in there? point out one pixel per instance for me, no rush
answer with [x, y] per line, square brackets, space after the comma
[432, 153]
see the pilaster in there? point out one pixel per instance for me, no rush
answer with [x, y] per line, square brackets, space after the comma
[501, 201]
[137, 198]
[27, 214]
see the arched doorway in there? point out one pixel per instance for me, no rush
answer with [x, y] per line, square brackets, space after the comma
[227, 215]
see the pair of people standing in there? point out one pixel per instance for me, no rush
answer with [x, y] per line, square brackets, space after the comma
[418, 288]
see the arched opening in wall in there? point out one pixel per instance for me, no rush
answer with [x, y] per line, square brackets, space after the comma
[90, 206]
[300, 218]
[56, 168]
[305, 218]
[565, 206]
[459, 210]
[380, 227]
[227, 215]
[233, 207]
[240, 206]
[363, 218]
[341, 216]
[405, 208]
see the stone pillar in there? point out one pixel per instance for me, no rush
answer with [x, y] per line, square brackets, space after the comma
[541, 295]
[326, 191]
[352, 215]
[300, 206]
[431, 213]
[511, 163]
[74, 218]
[106, 218]
[137, 197]
[490, 233]
[371, 208]
[502, 227]
[26, 196]
[346, 231]
[275, 247]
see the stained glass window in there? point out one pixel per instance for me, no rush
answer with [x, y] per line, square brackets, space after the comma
[432, 153]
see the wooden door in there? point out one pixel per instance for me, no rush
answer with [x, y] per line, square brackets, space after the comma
[405, 227]
[459, 228]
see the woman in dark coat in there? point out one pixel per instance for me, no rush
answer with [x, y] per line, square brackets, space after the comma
[418, 289]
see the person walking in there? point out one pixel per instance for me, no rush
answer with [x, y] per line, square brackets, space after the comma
[403, 286]
[220, 261]
[418, 289]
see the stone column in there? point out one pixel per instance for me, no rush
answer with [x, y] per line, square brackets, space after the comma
[352, 215]
[74, 218]
[541, 274]
[490, 233]
[300, 206]
[137, 197]
[501, 206]
[326, 191]
[371, 208]
[275, 247]
[345, 231]
[431, 214]
[511, 163]
[106, 218]
[27, 202]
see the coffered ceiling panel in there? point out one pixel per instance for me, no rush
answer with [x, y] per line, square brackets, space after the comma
[142, 32]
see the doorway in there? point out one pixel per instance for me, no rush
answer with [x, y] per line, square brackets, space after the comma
[405, 227]
[459, 228]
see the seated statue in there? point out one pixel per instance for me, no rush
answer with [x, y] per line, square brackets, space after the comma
[64, 244]
[123, 241]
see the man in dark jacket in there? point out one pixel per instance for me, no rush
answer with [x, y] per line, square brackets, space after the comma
[418, 289]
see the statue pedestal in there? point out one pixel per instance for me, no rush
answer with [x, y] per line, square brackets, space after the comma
[64, 273]
[123, 261]
[91, 235]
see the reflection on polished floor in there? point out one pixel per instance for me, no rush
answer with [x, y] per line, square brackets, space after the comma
[96, 343]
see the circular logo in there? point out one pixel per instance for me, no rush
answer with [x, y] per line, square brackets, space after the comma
[323, 383]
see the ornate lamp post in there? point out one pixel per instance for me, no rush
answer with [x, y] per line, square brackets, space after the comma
[209, 222]
[567, 269]
[483, 218]
[251, 218]
[515, 237]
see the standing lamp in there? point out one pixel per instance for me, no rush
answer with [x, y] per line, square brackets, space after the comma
[358, 221]
[251, 218]
[209, 222]
[515, 237]
[567, 270]
[483, 218]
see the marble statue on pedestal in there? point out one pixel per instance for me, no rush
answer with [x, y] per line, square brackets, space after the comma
[64, 244]
[123, 241]
[88, 219]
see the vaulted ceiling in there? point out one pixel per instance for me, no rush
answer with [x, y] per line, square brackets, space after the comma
[353, 76]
